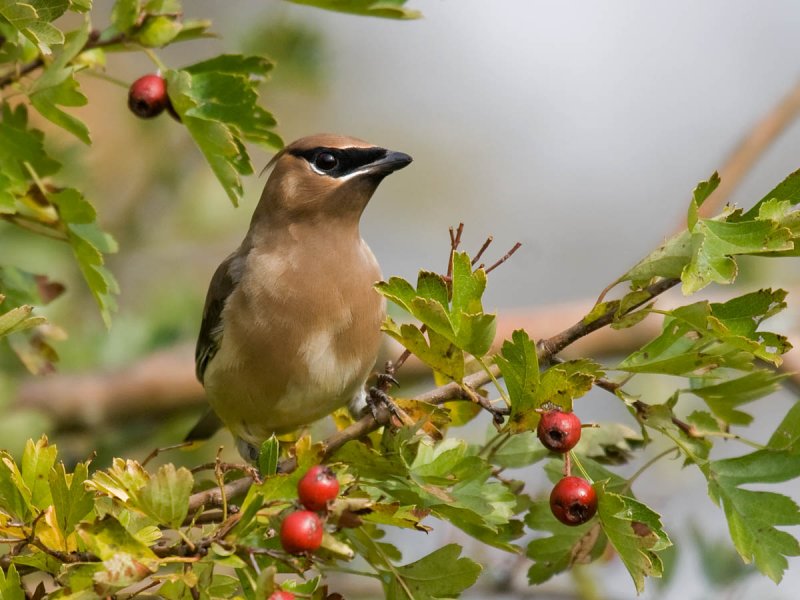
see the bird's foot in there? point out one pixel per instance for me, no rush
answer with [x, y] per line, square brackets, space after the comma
[384, 410]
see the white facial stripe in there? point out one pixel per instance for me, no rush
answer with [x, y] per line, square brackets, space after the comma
[361, 171]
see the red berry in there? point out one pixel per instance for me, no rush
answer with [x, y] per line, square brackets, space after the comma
[301, 531]
[559, 431]
[281, 595]
[147, 96]
[318, 487]
[573, 501]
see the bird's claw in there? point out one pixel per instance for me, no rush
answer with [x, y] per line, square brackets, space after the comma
[378, 399]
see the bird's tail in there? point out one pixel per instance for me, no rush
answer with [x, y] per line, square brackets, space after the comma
[207, 426]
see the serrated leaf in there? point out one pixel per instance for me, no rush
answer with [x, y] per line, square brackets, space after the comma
[89, 243]
[57, 86]
[703, 190]
[787, 434]
[723, 398]
[71, 500]
[226, 155]
[165, 497]
[636, 533]
[436, 351]
[107, 538]
[37, 460]
[389, 9]
[19, 319]
[11, 584]
[565, 547]
[668, 260]
[753, 515]
[714, 242]
[33, 20]
[519, 366]
[443, 573]
[22, 148]
[788, 189]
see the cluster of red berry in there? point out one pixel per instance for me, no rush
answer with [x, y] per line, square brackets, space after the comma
[147, 97]
[573, 499]
[301, 530]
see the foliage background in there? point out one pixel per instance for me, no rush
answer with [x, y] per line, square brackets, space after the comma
[578, 130]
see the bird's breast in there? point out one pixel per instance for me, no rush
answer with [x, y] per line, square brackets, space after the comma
[308, 344]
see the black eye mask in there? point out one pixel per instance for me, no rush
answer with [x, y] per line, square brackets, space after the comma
[338, 162]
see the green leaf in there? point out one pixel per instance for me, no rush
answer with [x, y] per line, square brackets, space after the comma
[158, 31]
[107, 538]
[636, 533]
[788, 189]
[609, 443]
[438, 353]
[71, 500]
[11, 584]
[33, 20]
[519, 366]
[703, 190]
[389, 9]
[441, 574]
[57, 86]
[165, 497]
[521, 450]
[38, 460]
[564, 382]
[753, 515]
[699, 337]
[714, 242]
[89, 243]
[787, 434]
[19, 319]
[125, 14]
[723, 398]
[668, 260]
[565, 547]
[224, 151]
[22, 148]
[268, 456]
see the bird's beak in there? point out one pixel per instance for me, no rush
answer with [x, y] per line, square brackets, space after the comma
[393, 161]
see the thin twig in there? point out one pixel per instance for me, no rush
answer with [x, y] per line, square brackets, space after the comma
[481, 250]
[508, 255]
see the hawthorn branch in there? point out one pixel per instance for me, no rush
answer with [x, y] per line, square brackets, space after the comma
[546, 349]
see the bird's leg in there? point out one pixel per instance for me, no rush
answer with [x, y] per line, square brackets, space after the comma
[378, 397]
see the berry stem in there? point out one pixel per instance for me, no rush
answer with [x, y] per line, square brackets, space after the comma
[156, 60]
[647, 465]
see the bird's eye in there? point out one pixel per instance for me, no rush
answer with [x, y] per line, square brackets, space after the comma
[325, 161]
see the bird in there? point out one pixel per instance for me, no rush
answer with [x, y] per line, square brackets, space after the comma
[291, 325]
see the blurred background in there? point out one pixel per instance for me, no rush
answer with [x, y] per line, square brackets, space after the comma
[578, 129]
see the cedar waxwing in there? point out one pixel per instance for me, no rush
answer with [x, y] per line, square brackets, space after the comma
[291, 324]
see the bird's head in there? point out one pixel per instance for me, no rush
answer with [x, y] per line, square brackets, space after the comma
[326, 176]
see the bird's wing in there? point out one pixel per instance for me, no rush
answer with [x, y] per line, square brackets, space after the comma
[222, 285]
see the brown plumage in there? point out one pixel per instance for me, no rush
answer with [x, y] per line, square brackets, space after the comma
[291, 325]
